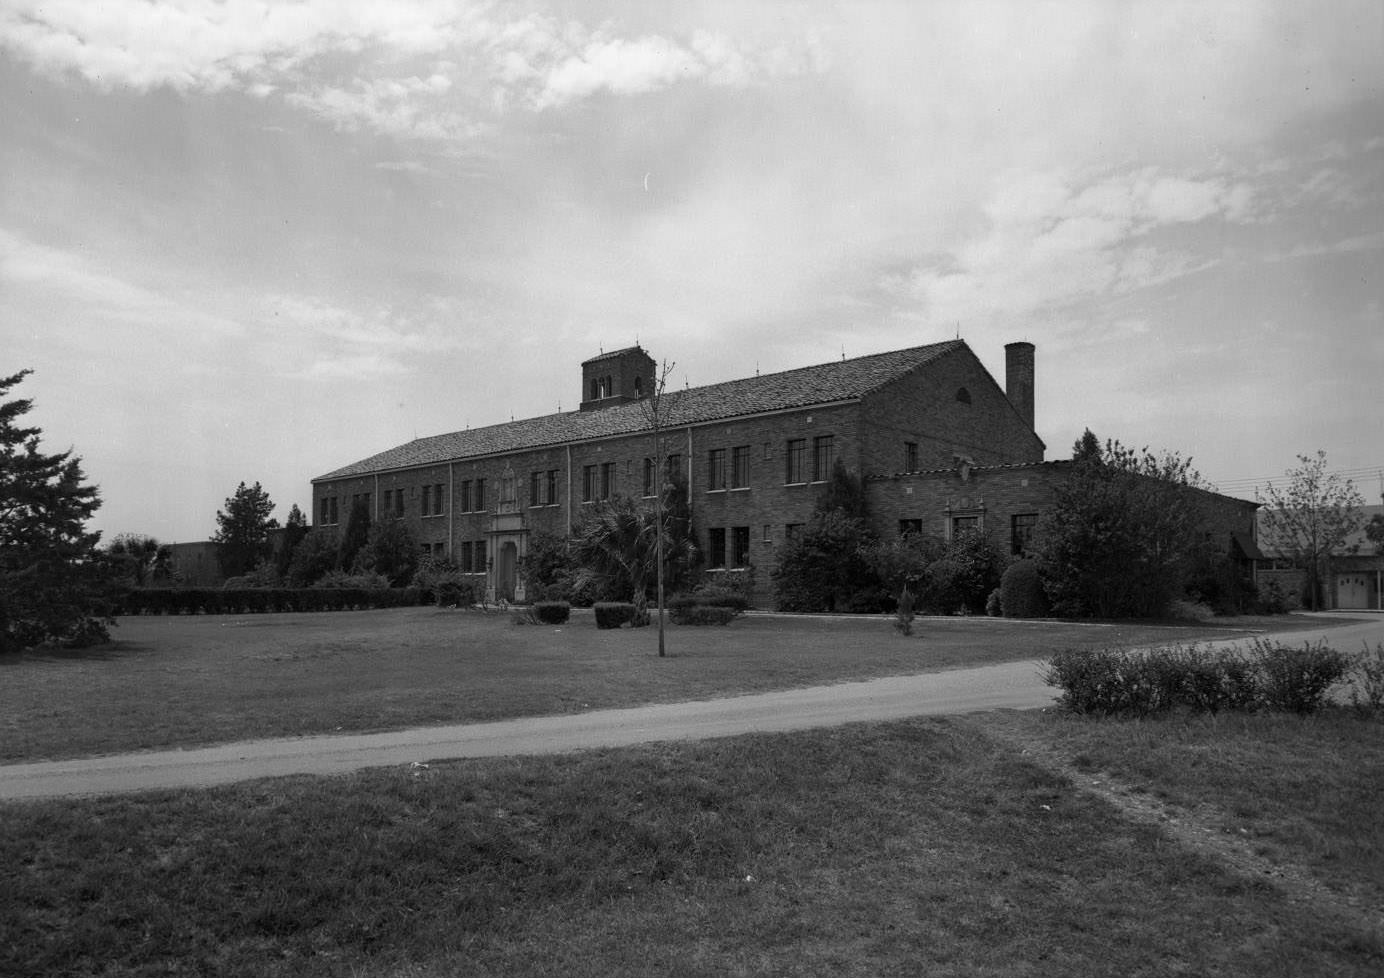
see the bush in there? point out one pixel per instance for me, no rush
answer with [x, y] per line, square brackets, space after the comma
[683, 608]
[1297, 679]
[705, 614]
[1184, 609]
[552, 612]
[1021, 591]
[1367, 681]
[1114, 682]
[454, 593]
[992, 604]
[613, 614]
[903, 614]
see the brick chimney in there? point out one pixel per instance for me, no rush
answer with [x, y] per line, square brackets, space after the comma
[1018, 378]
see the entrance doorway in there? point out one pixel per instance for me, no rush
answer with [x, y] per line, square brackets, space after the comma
[506, 570]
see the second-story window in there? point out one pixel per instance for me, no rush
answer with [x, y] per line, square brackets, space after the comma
[823, 455]
[795, 461]
[716, 469]
[740, 467]
[910, 456]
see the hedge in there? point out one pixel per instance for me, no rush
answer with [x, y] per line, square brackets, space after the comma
[710, 606]
[552, 612]
[260, 600]
[1119, 682]
[613, 614]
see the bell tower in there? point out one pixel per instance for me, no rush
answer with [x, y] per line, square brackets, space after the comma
[616, 378]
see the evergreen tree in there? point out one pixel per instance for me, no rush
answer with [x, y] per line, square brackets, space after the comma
[354, 536]
[52, 585]
[242, 539]
[295, 529]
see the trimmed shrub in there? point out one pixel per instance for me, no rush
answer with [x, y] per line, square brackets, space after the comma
[682, 608]
[552, 612]
[1021, 591]
[706, 614]
[992, 604]
[613, 614]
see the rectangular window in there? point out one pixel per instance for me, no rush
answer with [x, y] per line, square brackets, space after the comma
[480, 557]
[791, 531]
[648, 477]
[674, 468]
[464, 496]
[588, 483]
[1021, 530]
[551, 496]
[910, 456]
[739, 546]
[964, 524]
[795, 457]
[908, 528]
[535, 485]
[335, 511]
[768, 533]
[740, 467]
[427, 501]
[480, 496]
[464, 558]
[325, 516]
[715, 469]
[398, 504]
[716, 547]
[438, 500]
[823, 455]
[607, 479]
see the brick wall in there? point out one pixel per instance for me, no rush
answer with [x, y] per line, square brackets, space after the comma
[952, 407]
[995, 495]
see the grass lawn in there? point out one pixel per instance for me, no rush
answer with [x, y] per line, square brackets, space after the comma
[928, 847]
[193, 680]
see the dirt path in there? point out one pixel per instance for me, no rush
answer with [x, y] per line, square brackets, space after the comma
[1200, 829]
[1014, 685]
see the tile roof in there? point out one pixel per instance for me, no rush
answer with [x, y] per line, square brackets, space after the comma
[804, 387]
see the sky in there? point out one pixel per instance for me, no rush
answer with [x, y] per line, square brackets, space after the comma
[256, 241]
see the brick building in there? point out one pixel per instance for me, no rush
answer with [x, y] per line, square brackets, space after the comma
[753, 452]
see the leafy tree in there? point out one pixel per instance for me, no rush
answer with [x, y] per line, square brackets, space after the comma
[390, 550]
[941, 576]
[963, 576]
[242, 538]
[1310, 519]
[1124, 534]
[139, 560]
[295, 530]
[354, 535]
[550, 570]
[52, 585]
[315, 556]
[1374, 531]
[824, 568]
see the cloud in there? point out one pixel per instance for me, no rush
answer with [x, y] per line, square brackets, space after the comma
[1048, 242]
[354, 61]
[72, 278]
